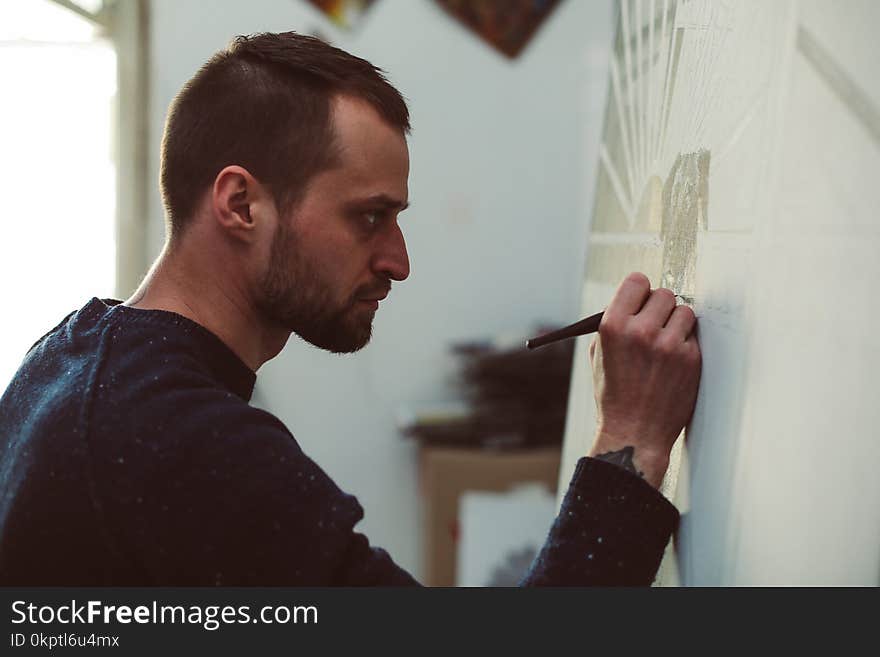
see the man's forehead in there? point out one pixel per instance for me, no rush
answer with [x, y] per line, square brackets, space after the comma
[372, 163]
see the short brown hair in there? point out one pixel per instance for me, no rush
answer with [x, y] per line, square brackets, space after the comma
[263, 103]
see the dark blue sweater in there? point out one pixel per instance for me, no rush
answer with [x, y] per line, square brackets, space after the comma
[129, 455]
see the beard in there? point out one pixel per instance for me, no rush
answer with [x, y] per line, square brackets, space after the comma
[292, 295]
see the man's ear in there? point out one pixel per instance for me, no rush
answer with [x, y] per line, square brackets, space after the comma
[234, 193]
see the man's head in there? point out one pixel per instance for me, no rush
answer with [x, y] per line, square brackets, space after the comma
[294, 153]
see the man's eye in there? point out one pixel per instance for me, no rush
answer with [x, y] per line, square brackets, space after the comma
[373, 217]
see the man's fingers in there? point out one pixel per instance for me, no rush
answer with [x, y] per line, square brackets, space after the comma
[659, 307]
[630, 296]
[682, 321]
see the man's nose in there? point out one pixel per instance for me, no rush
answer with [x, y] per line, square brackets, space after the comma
[392, 260]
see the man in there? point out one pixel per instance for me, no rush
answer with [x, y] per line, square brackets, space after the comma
[130, 454]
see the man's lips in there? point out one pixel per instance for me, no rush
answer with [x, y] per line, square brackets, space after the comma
[372, 299]
[376, 298]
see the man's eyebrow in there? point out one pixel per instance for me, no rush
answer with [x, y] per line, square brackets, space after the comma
[384, 199]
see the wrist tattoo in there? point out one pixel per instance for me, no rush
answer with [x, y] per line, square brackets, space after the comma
[622, 458]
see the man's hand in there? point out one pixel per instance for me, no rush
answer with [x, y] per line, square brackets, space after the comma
[646, 371]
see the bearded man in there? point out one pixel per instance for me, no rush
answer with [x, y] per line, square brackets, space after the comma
[130, 453]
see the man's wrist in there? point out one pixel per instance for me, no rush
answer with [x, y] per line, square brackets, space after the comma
[631, 456]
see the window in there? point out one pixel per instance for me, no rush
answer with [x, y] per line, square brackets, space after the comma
[57, 119]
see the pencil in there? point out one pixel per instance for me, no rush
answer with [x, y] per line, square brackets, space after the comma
[583, 327]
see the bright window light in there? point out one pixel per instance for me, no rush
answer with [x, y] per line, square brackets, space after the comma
[59, 178]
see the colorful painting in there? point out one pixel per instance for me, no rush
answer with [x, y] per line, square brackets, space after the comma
[508, 25]
[344, 13]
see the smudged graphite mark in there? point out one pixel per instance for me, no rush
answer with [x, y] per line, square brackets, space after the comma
[685, 210]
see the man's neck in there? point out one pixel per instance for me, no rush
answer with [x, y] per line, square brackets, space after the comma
[181, 284]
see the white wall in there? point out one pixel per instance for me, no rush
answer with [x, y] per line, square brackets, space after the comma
[503, 163]
[779, 481]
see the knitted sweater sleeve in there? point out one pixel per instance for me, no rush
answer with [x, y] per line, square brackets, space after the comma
[611, 530]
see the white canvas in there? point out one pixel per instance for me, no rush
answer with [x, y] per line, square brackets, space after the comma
[739, 167]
